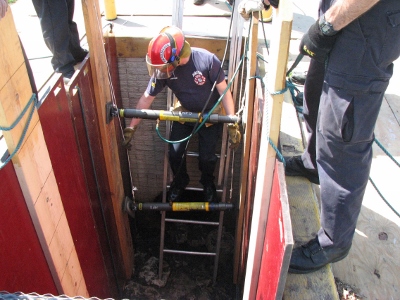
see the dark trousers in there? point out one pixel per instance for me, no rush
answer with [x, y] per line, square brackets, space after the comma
[357, 74]
[208, 137]
[60, 32]
[311, 98]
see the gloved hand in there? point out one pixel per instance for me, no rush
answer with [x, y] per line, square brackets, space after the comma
[128, 135]
[315, 44]
[246, 7]
[234, 135]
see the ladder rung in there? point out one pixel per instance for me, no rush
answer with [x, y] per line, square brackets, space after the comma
[190, 252]
[189, 188]
[191, 221]
[195, 154]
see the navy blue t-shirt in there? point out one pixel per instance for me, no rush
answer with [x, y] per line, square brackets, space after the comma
[191, 83]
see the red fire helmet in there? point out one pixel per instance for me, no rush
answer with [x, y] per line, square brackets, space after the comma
[163, 52]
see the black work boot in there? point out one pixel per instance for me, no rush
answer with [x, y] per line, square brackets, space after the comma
[210, 193]
[295, 167]
[175, 193]
[312, 257]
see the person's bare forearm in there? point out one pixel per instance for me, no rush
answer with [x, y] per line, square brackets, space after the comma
[343, 12]
[144, 103]
[227, 100]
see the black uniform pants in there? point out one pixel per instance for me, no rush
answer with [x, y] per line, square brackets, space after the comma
[208, 137]
[352, 87]
[60, 32]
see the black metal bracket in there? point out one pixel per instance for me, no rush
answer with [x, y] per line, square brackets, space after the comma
[111, 111]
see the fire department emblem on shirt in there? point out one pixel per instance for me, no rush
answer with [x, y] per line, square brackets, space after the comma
[199, 79]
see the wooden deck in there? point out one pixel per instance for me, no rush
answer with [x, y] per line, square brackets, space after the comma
[373, 265]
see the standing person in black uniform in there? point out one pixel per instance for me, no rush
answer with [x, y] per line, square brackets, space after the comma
[60, 34]
[190, 73]
[352, 46]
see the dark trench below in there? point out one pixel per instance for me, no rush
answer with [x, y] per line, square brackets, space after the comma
[184, 276]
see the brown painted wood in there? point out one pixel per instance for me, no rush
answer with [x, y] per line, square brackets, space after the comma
[81, 95]
[112, 60]
[58, 128]
[252, 172]
[101, 84]
[136, 47]
[247, 123]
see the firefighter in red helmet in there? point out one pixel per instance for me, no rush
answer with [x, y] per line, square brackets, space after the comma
[191, 74]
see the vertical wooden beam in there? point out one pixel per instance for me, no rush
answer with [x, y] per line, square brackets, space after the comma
[33, 166]
[247, 121]
[102, 89]
[281, 29]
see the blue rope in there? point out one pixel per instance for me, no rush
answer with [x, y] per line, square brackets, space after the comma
[278, 153]
[386, 152]
[383, 198]
[34, 101]
[35, 296]
[20, 115]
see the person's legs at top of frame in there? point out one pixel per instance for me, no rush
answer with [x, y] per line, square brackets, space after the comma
[60, 34]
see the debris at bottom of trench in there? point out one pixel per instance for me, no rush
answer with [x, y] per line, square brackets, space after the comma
[184, 276]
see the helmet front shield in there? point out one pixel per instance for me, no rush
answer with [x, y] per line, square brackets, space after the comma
[160, 71]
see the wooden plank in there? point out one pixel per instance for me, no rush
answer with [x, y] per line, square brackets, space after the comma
[82, 98]
[10, 49]
[112, 60]
[62, 143]
[247, 122]
[281, 28]
[278, 243]
[101, 84]
[243, 243]
[136, 47]
[34, 171]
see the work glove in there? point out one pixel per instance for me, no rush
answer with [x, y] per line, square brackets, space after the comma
[234, 135]
[246, 7]
[128, 135]
[315, 44]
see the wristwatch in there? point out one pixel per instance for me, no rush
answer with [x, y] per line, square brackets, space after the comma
[326, 27]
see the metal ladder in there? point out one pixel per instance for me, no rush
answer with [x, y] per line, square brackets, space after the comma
[224, 158]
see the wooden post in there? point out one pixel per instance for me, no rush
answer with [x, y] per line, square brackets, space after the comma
[281, 30]
[247, 121]
[33, 166]
[102, 90]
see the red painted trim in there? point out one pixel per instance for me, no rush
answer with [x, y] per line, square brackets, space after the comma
[276, 247]
[22, 262]
[59, 132]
